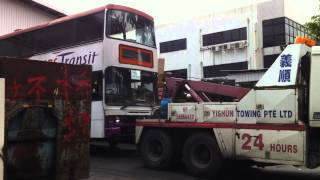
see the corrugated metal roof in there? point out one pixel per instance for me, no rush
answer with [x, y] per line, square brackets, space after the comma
[50, 10]
[16, 15]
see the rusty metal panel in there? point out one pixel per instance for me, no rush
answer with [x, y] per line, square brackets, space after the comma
[47, 120]
[31, 141]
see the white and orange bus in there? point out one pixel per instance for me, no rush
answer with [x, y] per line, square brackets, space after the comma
[119, 43]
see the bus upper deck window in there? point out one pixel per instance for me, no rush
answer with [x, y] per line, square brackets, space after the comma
[130, 27]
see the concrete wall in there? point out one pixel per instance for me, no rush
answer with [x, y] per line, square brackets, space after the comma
[179, 59]
[17, 15]
[237, 18]
[266, 10]
[193, 30]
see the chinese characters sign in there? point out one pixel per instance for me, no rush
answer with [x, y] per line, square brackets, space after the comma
[285, 68]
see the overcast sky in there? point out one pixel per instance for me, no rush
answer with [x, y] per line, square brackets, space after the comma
[163, 11]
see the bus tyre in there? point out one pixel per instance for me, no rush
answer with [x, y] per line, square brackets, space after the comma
[156, 149]
[201, 155]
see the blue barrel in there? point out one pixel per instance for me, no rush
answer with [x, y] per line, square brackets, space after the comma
[164, 107]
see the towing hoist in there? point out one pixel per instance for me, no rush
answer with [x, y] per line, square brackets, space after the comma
[275, 122]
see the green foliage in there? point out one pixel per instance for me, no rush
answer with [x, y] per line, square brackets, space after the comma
[313, 26]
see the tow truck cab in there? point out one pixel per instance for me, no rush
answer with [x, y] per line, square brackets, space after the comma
[314, 107]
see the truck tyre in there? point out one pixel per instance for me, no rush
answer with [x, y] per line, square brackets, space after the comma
[156, 149]
[113, 143]
[201, 155]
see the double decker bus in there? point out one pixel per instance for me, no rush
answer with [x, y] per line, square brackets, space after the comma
[119, 43]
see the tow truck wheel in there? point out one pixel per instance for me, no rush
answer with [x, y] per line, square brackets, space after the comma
[113, 143]
[201, 155]
[157, 149]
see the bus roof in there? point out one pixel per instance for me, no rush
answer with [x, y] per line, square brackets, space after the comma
[70, 17]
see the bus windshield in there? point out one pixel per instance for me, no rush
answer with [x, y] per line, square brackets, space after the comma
[130, 27]
[129, 87]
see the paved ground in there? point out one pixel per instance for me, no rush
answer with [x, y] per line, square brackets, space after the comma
[124, 164]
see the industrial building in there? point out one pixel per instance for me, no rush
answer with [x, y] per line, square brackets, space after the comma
[21, 14]
[236, 45]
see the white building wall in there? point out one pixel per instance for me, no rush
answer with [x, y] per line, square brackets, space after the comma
[297, 10]
[237, 18]
[250, 16]
[270, 9]
[180, 59]
[193, 30]
[17, 15]
[266, 10]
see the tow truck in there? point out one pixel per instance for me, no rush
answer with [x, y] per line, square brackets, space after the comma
[275, 122]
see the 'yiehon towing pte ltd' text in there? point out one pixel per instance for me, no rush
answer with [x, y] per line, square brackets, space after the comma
[243, 113]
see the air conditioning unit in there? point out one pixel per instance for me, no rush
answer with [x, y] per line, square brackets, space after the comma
[241, 45]
[217, 48]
